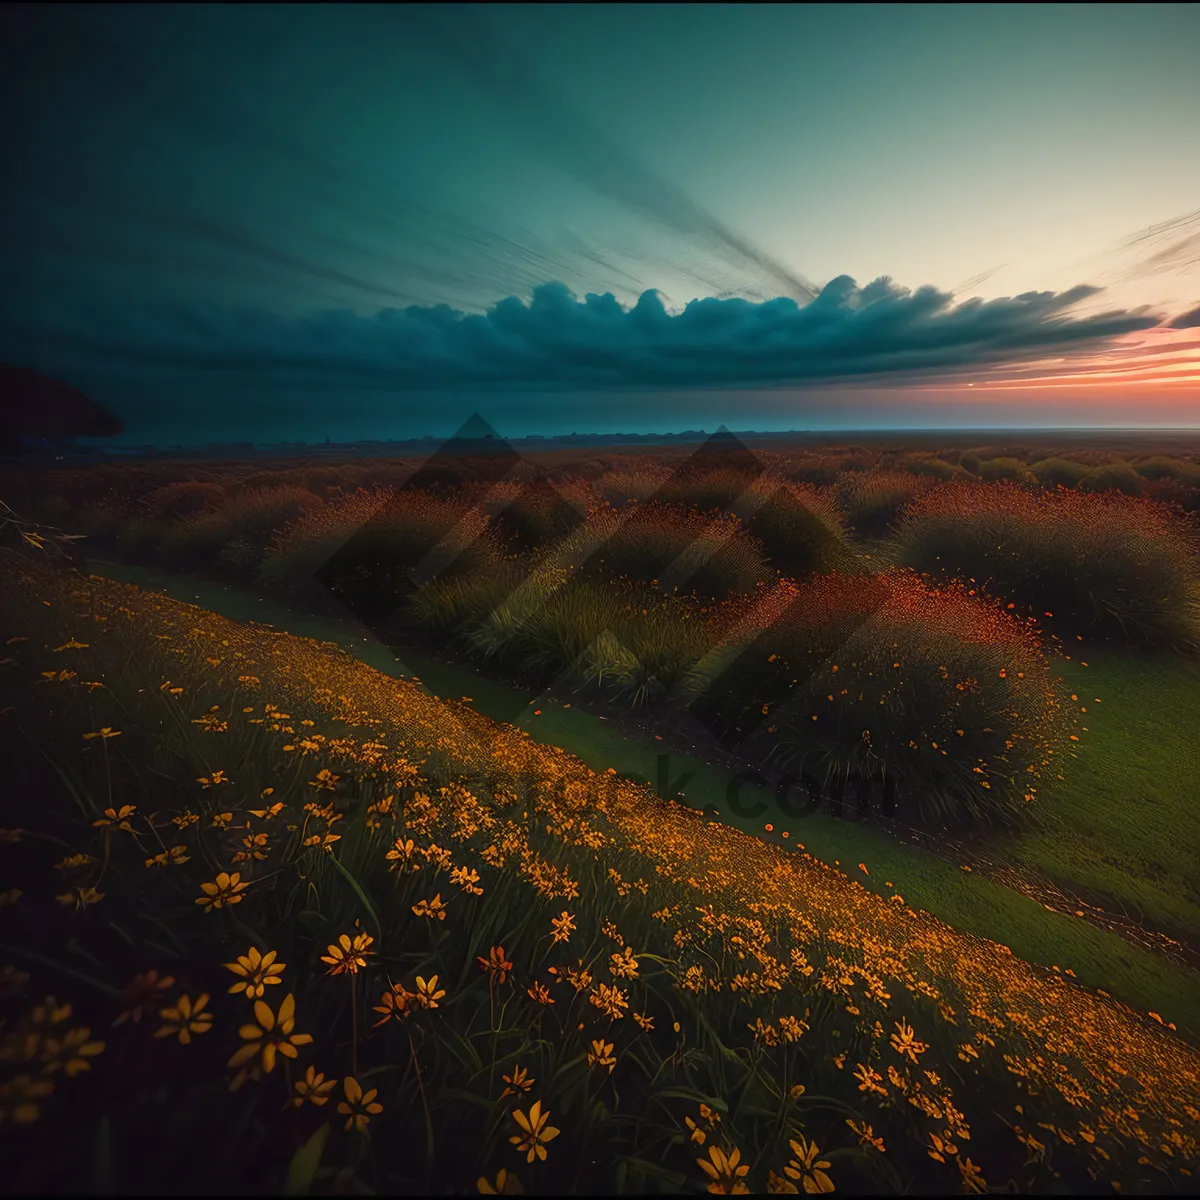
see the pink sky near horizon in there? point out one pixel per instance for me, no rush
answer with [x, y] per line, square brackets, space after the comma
[1148, 377]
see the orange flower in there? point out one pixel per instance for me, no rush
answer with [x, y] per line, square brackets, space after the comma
[348, 956]
[144, 993]
[496, 965]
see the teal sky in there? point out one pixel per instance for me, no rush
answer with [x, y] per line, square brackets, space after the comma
[206, 208]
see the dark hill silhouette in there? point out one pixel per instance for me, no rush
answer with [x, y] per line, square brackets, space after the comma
[35, 406]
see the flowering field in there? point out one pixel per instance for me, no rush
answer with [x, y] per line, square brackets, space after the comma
[274, 921]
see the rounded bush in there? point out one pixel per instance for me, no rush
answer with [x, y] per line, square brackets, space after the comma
[945, 693]
[993, 469]
[816, 470]
[1058, 472]
[183, 499]
[1161, 466]
[1120, 477]
[936, 468]
[871, 503]
[535, 516]
[449, 607]
[714, 489]
[624, 640]
[238, 534]
[681, 549]
[799, 527]
[1120, 566]
[408, 538]
[298, 553]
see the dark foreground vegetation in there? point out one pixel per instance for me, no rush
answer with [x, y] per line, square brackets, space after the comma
[357, 934]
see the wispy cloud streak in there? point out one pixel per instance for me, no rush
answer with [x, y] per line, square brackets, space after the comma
[573, 143]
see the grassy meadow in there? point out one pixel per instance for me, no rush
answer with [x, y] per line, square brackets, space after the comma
[274, 919]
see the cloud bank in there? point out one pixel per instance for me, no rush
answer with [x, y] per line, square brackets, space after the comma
[1188, 320]
[557, 341]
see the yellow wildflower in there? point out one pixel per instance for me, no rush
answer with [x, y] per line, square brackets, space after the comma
[507, 1184]
[610, 1000]
[185, 1018]
[80, 897]
[601, 1055]
[624, 965]
[256, 970]
[226, 889]
[272, 1035]
[536, 1133]
[467, 880]
[348, 955]
[358, 1107]
[314, 1088]
[725, 1174]
[118, 817]
[428, 994]
[397, 1002]
[904, 1043]
[433, 909]
[808, 1167]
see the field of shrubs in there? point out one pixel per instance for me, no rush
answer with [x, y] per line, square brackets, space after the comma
[367, 940]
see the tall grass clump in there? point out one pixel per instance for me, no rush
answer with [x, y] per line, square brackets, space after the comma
[871, 502]
[299, 551]
[536, 515]
[413, 536]
[623, 640]
[236, 535]
[946, 694]
[448, 608]
[639, 483]
[695, 553]
[708, 489]
[818, 470]
[183, 499]
[800, 528]
[1117, 565]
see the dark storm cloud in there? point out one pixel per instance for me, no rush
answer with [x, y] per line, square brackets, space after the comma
[1187, 320]
[464, 35]
[559, 342]
[149, 173]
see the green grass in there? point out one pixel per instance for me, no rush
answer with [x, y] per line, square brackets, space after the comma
[968, 902]
[1127, 817]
